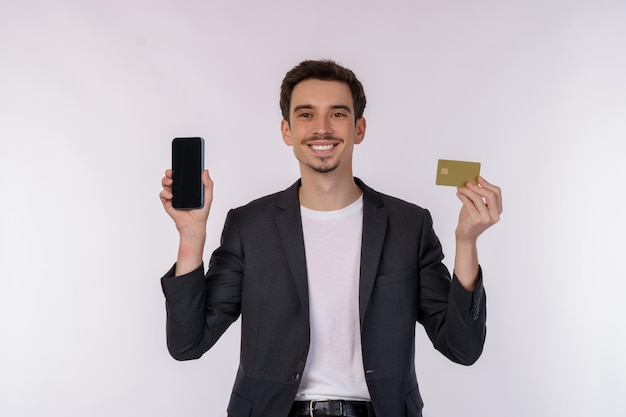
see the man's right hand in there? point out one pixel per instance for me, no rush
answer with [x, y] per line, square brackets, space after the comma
[191, 224]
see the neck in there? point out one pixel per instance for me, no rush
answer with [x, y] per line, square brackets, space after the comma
[326, 192]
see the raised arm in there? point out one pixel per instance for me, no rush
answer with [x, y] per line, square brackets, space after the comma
[482, 206]
[191, 224]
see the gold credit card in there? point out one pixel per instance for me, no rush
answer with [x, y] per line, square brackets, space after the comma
[457, 173]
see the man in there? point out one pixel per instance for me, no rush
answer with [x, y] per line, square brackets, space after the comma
[329, 276]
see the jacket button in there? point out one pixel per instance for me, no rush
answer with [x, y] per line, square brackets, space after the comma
[296, 377]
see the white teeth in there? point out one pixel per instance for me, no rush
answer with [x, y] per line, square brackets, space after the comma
[321, 147]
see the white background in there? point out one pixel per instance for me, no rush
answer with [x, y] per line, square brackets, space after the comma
[92, 92]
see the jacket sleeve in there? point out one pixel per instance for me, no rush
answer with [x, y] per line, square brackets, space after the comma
[200, 308]
[454, 318]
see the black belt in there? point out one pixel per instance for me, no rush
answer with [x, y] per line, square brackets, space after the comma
[322, 408]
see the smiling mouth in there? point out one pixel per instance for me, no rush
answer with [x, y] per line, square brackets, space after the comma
[321, 148]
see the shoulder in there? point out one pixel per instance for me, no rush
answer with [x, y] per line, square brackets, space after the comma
[388, 203]
[271, 202]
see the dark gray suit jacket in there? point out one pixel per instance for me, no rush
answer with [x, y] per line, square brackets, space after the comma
[259, 272]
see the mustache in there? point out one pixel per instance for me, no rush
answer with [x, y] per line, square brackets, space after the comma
[314, 138]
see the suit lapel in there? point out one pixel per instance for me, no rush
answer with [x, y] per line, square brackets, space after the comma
[289, 224]
[374, 230]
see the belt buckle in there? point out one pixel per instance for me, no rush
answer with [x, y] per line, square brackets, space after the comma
[313, 402]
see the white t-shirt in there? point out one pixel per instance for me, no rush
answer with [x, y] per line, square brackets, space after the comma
[334, 367]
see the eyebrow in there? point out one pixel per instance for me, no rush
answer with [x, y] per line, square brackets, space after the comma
[333, 107]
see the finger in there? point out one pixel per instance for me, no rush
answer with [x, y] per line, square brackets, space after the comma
[477, 213]
[474, 200]
[167, 178]
[206, 179]
[165, 196]
[491, 200]
[166, 182]
[469, 205]
[495, 189]
[208, 189]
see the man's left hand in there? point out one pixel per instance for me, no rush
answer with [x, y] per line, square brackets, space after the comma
[482, 206]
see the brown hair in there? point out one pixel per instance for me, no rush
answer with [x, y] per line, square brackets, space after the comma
[325, 70]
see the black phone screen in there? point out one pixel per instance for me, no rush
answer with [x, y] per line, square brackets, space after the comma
[187, 167]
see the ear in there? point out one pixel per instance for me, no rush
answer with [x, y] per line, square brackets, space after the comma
[361, 124]
[285, 130]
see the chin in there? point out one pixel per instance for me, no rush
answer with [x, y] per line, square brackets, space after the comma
[324, 169]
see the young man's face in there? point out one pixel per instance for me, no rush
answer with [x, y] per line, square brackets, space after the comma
[322, 129]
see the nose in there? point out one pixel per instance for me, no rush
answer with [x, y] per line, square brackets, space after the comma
[322, 126]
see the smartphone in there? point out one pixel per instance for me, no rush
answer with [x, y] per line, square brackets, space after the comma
[457, 173]
[187, 167]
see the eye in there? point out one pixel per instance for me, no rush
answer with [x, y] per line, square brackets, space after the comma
[339, 114]
[305, 115]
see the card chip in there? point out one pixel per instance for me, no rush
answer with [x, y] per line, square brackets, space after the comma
[444, 171]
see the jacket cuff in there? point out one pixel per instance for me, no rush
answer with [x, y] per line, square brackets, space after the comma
[472, 302]
[172, 284]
